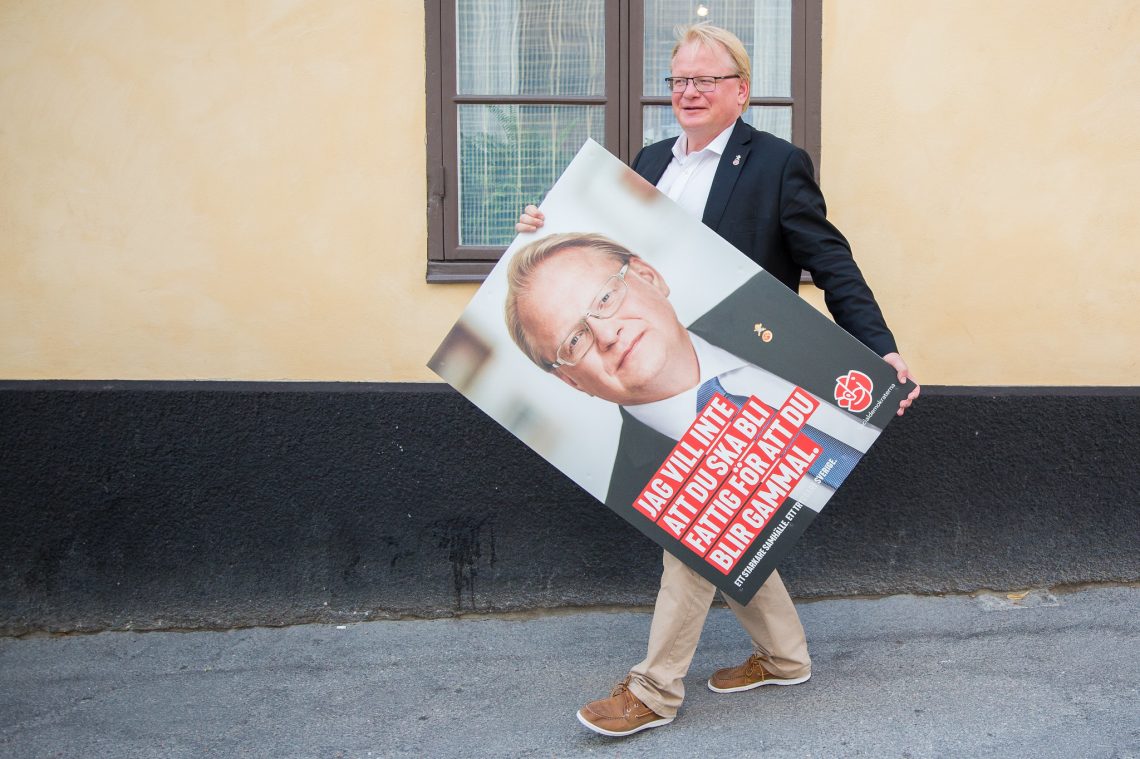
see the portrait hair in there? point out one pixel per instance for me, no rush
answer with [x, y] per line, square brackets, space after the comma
[709, 36]
[527, 259]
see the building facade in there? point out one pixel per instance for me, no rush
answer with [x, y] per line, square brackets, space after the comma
[233, 233]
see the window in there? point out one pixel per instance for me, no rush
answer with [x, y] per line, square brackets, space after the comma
[516, 86]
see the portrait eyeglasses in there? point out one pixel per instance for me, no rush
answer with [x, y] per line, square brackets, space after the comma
[604, 305]
[701, 83]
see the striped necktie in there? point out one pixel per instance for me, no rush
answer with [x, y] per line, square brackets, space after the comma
[845, 456]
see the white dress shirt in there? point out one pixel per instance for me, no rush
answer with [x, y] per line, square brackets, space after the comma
[689, 176]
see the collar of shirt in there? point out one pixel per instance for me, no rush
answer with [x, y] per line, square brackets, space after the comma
[672, 416]
[681, 146]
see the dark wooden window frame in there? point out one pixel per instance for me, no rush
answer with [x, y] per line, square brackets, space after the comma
[447, 261]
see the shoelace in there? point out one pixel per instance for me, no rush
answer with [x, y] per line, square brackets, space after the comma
[754, 667]
[621, 687]
[632, 702]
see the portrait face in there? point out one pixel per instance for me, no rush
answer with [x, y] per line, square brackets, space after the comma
[704, 115]
[640, 353]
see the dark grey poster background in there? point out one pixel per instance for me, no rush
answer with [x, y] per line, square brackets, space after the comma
[717, 292]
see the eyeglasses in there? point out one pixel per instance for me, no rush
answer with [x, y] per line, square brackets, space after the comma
[605, 304]
[701, 83]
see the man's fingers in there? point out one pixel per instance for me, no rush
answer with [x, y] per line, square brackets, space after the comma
[897, 362]
[530, 219]
[906, 402]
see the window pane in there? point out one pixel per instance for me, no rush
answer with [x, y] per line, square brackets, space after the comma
[530, 47]
[658, 122]
[509, 155]
[764, 26]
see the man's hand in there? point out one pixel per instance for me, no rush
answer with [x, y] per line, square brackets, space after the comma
[897, 362]
[531, 220]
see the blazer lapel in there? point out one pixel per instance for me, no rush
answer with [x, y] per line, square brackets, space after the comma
[653, 163]
[727, 172]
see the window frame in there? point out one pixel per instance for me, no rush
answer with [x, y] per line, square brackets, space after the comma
[447, 261]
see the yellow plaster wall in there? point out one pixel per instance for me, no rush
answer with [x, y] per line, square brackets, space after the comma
[219, 189]
[235, 188]
[984, 159]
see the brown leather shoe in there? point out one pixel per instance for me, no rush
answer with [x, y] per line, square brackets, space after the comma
[751, 674]
[620, 714]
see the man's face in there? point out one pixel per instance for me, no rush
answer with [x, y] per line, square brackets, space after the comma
[642, 353]
[704, 115]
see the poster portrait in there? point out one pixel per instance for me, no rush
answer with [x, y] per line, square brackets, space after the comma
[668, 375]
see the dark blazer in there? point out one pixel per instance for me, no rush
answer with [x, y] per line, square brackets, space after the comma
[765, 201]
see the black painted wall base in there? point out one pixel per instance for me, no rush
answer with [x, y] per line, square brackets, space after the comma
[213, 505]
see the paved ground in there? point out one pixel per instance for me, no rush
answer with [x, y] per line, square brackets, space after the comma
[1046, 676]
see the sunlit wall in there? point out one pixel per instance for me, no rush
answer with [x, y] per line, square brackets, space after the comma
[236, 190]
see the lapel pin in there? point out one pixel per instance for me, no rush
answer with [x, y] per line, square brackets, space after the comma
[736, 161]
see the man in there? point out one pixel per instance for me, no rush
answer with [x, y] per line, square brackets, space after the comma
[759, 193]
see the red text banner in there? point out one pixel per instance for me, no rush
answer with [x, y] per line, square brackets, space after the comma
[729, 473]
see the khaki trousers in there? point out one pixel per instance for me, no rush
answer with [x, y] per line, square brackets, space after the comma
[682, 604]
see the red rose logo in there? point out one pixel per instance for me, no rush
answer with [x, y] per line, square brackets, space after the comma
[853, 392]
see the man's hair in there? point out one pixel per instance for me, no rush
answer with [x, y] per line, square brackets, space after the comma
[710, 36]
[521, 268]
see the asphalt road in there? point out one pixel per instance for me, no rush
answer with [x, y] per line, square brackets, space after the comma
[1049, 675]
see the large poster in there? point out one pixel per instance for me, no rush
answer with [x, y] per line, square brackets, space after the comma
[668, 375]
